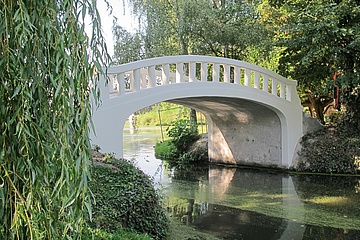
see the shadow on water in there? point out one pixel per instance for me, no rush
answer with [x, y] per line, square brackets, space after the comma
[240, 203]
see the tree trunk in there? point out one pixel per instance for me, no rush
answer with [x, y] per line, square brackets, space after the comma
[316, 106]
[193, 117]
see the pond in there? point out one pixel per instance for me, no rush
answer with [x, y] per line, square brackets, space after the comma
[244, 203]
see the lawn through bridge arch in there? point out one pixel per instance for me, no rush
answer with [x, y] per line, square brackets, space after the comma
[254, 115]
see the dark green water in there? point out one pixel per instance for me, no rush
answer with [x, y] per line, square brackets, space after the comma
[241, 203]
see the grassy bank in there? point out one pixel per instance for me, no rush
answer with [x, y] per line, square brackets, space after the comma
[164, 114]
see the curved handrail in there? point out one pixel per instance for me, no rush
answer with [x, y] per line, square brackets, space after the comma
[154, 72]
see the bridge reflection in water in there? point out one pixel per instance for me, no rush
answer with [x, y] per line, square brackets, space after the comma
[234, 203]
[241, 203]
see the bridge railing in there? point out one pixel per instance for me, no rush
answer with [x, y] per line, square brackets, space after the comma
[150, 73]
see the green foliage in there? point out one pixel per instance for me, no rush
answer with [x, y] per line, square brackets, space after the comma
[46, 68]
[118, 234]
[330, 151]
[164, 112]
[319, 38]
[221, 28]
[128, 47]
[125, 198]
[182, 133]
[166, 150]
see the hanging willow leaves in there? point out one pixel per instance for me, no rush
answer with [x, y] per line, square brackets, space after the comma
[47, 71]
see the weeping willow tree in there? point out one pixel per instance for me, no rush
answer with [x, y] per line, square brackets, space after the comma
[47, 66]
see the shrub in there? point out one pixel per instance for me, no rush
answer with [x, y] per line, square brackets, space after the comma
[330, 151]
[125, 198]
[118, 234]
[166, 150]
[183, 133]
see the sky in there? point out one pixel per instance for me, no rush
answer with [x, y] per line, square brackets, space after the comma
[125, 19]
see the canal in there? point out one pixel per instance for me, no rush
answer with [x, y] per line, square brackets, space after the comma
[244, 203]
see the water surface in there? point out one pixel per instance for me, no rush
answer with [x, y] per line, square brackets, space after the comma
[243, 203]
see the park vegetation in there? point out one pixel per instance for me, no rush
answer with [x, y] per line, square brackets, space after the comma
[49, 69]
[124, 198]
[180, 147]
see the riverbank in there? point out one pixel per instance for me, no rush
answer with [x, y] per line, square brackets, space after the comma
[327, 151]
[113, 176]
[125, 200]
[326, 201]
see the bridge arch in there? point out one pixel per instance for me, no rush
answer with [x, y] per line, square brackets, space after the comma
[244, 100]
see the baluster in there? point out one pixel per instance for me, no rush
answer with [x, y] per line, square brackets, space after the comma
[256, 80]
[216, 72]
[192, 72]
[143, 80]
[265, 83]
[274, 87]
[289, 92]
[111, 84]
[247, 77]
[282, 90]
[227, 73]
[152, 77]
[204, 72]
[237, 75]
[135, 80]
[104, 89]
[121, 83]
[179, 72]
[165, 74]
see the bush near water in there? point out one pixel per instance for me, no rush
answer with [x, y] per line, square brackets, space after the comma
[185, 144]
[124, 198]
[331, 150]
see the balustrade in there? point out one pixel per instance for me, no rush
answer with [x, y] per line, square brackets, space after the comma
[150, 73]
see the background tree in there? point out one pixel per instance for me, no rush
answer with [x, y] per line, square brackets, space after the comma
[224, 28]
[47, 70]
[319, 38]
[128, 46]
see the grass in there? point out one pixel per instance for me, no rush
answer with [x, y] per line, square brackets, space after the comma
[118, 234]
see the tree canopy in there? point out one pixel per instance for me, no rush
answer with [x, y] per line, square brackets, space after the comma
[225, 28]
[319, 38]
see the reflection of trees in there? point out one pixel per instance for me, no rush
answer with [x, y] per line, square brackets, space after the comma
[186, 210]
[329, 200]
[190, 172]
[310, 185]
[232, 223]
[326, 233]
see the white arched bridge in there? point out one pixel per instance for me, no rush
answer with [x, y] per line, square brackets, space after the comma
[254, 115]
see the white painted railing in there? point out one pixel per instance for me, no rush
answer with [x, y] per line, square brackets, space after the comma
[150, 73]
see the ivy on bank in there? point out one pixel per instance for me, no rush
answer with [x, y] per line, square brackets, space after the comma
[331, 150]
[126, 199]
